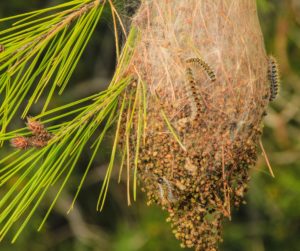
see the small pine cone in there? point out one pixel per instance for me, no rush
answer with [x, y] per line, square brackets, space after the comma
[35, 126]
[37, 142]
[20, 142]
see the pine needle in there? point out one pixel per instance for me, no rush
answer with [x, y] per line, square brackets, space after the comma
[33, 58]
[266, 158]
[51, 49]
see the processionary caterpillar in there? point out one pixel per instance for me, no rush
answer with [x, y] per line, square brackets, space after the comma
[204, 66]
[273, 76]
[193, 95]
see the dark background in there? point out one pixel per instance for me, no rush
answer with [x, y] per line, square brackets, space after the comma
[269, 221]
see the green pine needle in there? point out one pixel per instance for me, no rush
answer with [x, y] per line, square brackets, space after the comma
[42, 49]
[42, 46]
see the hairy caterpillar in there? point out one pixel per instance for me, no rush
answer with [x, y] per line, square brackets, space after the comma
[196, 105]
[204, 65]
[273, 76]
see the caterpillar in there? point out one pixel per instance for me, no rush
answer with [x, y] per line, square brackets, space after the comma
[273, 77]
[204, 65]
[196, 105]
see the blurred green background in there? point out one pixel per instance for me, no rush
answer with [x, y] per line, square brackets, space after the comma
[269, 221]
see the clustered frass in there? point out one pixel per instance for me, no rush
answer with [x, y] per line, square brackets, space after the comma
[40, 136]
[198, 185]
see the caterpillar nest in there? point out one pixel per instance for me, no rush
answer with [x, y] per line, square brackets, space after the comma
[204, 71]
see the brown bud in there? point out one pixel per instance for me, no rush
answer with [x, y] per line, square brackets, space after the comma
[35, 126]
[37, 142]
[20, 142]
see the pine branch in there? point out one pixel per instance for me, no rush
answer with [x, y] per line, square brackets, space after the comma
[42, 49]
[47, 55]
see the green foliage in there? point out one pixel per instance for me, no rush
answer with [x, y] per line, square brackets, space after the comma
[43, 48]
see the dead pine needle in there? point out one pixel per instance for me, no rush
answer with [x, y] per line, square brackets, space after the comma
[266, 158]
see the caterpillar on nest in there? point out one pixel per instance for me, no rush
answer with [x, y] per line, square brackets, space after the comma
[194, 98]
[204, 65]
[273, 77]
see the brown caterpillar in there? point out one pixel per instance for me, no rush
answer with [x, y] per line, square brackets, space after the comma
[273, 77]
[204, 65]
[196, 105]
[2, 48]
